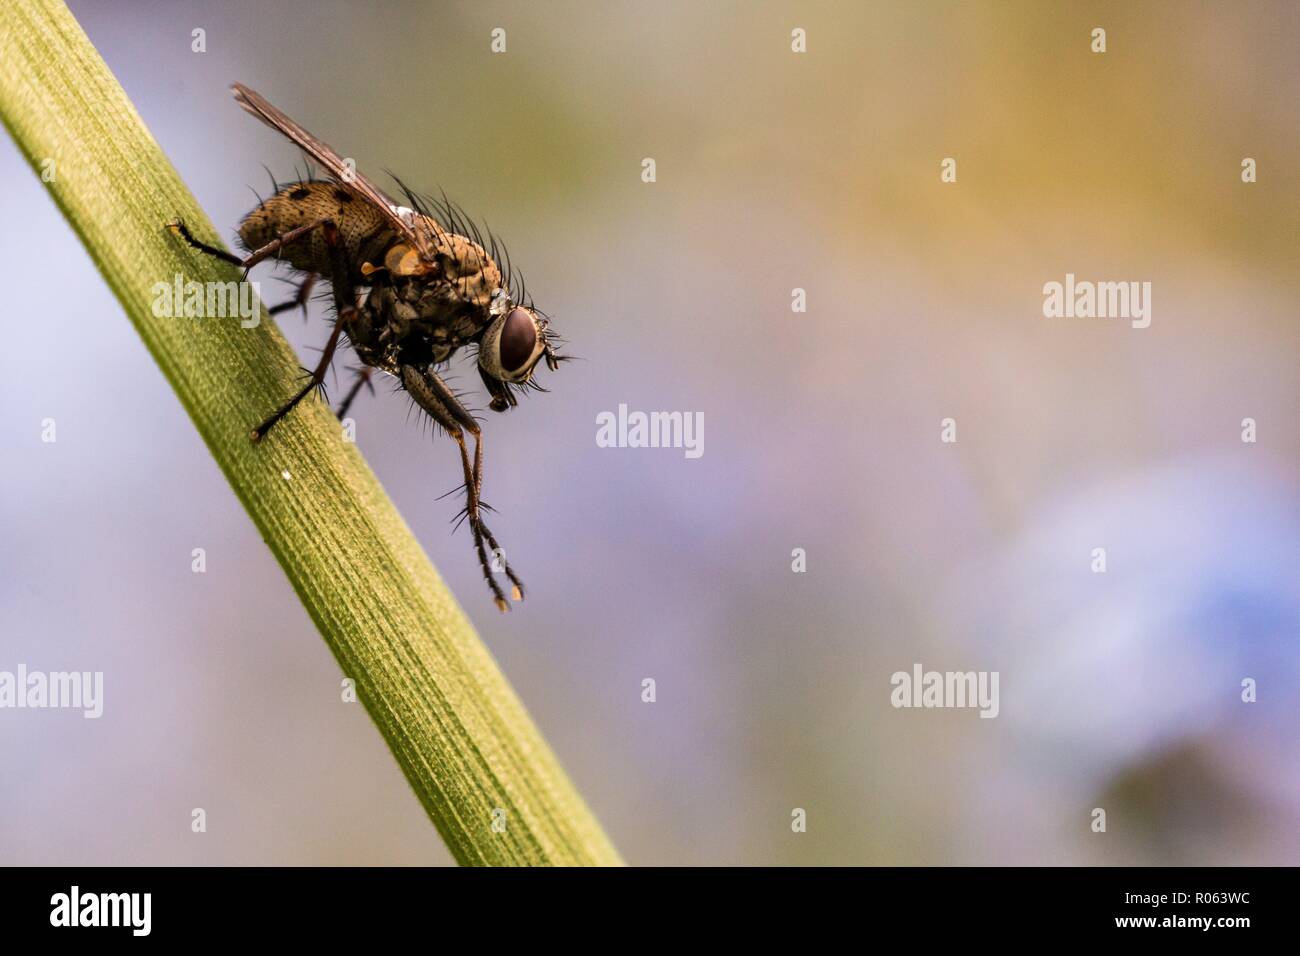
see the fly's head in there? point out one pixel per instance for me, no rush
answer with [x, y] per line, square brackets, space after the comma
[514, 341]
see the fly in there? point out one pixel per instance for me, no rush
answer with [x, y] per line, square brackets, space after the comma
[412, 283]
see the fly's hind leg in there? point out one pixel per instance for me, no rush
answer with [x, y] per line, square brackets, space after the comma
[345, 303]
[363, 378]
[178, 228]
[345, 296]
[300, 299]
[272, 248]
[432, 394]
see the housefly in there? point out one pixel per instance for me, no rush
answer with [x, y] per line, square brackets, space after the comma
[412, 282]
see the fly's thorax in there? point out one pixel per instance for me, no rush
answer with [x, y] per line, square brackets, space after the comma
[424, 314]
[469, 270]
[361, 227]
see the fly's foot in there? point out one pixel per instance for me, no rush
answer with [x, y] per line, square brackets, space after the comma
[483, 541]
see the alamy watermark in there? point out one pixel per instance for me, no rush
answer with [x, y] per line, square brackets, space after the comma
[129, 910]
[626, 429]
[188, 299]
[1102, 300]
[922, 688]
[74, 690]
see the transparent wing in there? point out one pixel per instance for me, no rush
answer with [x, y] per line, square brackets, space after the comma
[333, 163]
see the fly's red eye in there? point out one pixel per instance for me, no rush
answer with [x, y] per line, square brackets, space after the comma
[518, 339]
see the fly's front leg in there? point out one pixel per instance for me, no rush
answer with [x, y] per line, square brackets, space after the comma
[432, 394]
[345, 302]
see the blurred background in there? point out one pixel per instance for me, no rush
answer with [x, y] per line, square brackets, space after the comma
[775, 171]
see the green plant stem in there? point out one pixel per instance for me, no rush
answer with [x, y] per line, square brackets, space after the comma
[457, 729]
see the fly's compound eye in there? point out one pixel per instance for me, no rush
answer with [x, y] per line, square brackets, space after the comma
[512, 345]
[518, 341]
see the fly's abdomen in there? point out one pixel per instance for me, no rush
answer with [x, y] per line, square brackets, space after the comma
[362, 228]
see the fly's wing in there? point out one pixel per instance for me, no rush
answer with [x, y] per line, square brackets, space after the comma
[256, 104]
